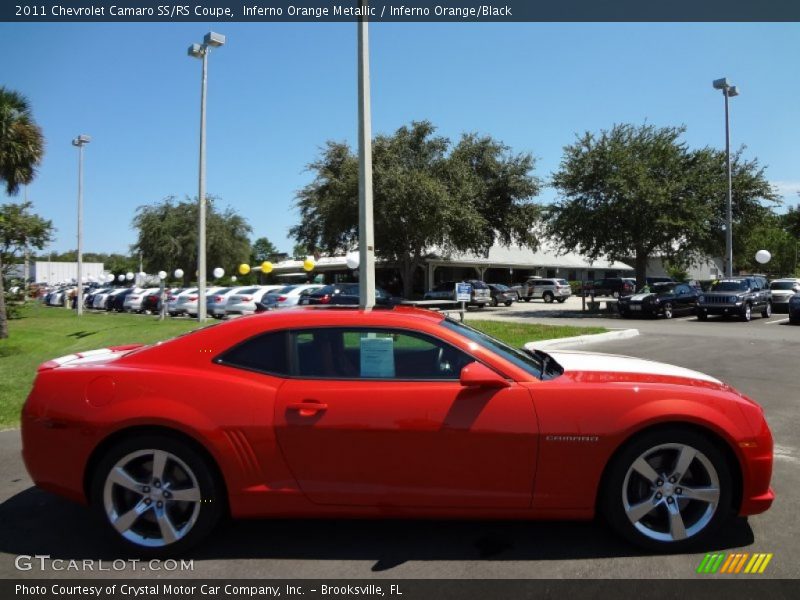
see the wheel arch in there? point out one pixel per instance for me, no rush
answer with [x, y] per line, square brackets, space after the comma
[140, 430]
[714, 436]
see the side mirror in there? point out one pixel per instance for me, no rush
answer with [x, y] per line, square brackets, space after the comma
[476, 374]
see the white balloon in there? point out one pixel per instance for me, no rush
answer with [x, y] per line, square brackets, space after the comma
[129, 276]
[110, 277]
[353, 259]
[233, 278]
[178, 273]
[763, 256]
[219, 272]
[162, 275]
[121, 277]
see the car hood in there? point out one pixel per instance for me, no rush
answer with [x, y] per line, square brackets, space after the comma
[638, 297]
[612, 368]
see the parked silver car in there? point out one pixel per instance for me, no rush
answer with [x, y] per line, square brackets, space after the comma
[782, 290]
[289, 295]
[245, 304]
[176, 305]
[216, 302]
[190, 306]
[133, 302]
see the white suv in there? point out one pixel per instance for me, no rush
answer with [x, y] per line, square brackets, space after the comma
[546, 289]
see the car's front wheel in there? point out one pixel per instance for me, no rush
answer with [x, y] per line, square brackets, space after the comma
[767, 312]
[548, 297]
[747, 312]
[668, 489]
[156, 494]
[668, 314]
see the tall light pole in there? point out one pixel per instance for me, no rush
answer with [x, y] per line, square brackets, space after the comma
[366, 230]
[728, 91]
[201, 51]
[80, 142]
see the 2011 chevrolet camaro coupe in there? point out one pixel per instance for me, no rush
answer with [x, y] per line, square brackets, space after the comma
[340, 412]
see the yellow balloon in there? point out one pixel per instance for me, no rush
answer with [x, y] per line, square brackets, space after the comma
[244, 269]
[309, 264]
[266, 267]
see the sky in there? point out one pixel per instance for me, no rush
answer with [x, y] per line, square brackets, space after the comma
[277, 92]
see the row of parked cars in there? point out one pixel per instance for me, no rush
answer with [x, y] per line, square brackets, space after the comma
[740, 297]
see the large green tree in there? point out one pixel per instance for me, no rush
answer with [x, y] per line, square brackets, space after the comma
[640, 192]
[168, 237]
[21, 141]
[20, 229]
[428, 193]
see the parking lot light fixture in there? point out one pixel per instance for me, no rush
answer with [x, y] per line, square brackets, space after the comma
[728, 91]
[80, 142]
[211, 40]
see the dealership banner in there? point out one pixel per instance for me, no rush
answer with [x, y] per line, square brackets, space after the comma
[474, 11]
[398, 589]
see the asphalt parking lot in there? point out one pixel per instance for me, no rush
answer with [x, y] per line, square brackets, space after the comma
[760, 358]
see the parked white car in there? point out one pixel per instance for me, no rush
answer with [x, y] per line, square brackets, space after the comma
[782, 290]
[245, 304]
[176, 304]
[216, 303]
[133, 303]
[191, 303]
[290, 295]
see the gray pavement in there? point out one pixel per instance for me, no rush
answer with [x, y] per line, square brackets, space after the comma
[760, 358]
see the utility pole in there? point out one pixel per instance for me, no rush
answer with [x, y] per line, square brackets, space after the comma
[366, 229]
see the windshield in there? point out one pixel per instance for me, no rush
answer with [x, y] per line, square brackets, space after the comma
[531, 362]
[663, 288]
[729, 286]
[784, 285]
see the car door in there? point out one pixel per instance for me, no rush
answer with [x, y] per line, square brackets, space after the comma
[378, 418]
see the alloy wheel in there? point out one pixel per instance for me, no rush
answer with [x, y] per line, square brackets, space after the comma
[152, 498]
[671, 492]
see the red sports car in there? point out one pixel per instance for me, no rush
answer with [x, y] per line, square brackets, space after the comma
[341, 412]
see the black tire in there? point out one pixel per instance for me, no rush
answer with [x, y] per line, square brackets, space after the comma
[794, 320]
[509, 302]
[701, 316]
[661, 449]
[494, 302]
[747, 312]
[668, 312]
[199, 516]
[548, 297]
[767, 312]
[561, 300]
[527, 299]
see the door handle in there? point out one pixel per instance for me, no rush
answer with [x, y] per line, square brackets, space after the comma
[307, 408]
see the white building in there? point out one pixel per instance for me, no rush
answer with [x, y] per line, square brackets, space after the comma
[53, 272]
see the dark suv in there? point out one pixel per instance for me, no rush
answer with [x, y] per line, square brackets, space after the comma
[612, 286]
[736, 296]
[480, 294]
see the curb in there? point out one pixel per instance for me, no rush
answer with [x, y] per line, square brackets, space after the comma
[583, 340]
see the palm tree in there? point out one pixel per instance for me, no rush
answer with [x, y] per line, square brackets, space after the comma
[21, 141]
[21, 150]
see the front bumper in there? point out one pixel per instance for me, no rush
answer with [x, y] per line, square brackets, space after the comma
[720, 309]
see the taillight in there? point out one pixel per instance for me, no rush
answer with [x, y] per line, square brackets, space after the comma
[192, 298]
[218, 299]
[281, 298]
[246, 298]
[325, 299]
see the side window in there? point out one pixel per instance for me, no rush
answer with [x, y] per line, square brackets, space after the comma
[267, 353]
[681, 289]
[339, 353]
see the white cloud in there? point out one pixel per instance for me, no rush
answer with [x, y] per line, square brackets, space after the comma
[787, 189]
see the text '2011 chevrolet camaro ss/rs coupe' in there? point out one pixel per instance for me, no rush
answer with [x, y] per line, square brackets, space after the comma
[341, 412]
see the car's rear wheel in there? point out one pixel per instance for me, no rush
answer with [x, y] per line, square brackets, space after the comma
[156, 494]
[509, 302]
[767, 312]
[562, 300]
[668, 490]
